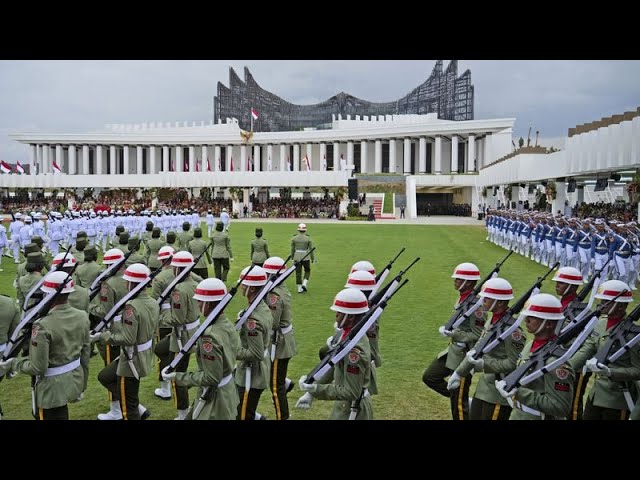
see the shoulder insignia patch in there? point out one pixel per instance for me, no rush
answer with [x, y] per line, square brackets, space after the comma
[273, 299]
[128, 312]
[562, 373]
[560, 386]
[207, 347]
[354, 356]
[34, 331]
[176, 296]
[251, 324]
[479, 313]
[516, 336]
[104, 290]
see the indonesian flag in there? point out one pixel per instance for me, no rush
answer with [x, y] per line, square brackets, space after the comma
[307, 163]
[171, 166]
[254, 114]
[288, 164]
[19, 167]
[209, 165]
[56, 168]
[324, 163]
[248, 164]
[231, 169]
[269, 165]
[185, 165]
[197, 165]
[219, 165]
[5, 167]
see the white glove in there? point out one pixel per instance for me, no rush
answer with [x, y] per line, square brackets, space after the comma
[166, 376]
[454, 381]
[306, 387]
[304, 402]
[593, 262]
[80, 397]
[594, 366]
[330, 342]
[500, 384]
[477, 364]
[231, 259]
[95, 337]
[6, 365]
[444, 332]
[117, 318]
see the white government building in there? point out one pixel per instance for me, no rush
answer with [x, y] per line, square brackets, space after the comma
[435, 156]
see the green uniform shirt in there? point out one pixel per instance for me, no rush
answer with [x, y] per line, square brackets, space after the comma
[159, 283]
[135, 257]
[551, 394]
[196, 247]
[216, 353]
[300, 246]
[350, 377]
[221, 245]
[22, 271]
[259, 250]
[465, 336]
[151, 253]
[255, 339]
[79, 298]
[57, 339]
[135, 335]
[279, 302]
[86, 274]
[25, 284]
[183, 239]
[9, 319]
[184, 311]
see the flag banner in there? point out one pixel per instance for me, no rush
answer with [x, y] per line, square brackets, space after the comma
[307, 163]
[254, 114]
[19, 167]
[197, 165]
[231, 169]
[171, 168]
[56, 168]
[219, 165]
[5, 167]
[288, 164]
[185, 165]
[248, 164]
[209, 165]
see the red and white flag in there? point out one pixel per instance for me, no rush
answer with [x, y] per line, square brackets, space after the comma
[219, 165]
[197, 165]
[171, 169]
[5, 167]
[56, 168]
[288, 164]
[248, 164]
[254, 114]
[231, 167]
[209, 165]
[19, 167]
[185, 165]
[307, 163]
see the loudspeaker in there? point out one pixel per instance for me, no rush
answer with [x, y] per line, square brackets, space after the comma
[601, 184]
[571, 185]
[353, 189]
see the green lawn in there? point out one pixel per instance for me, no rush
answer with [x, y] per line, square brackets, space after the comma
[409, 327]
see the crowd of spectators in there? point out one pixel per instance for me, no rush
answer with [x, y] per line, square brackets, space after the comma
[296, 208]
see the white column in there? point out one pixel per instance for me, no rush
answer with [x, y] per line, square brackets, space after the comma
[349, 154]
[407, 156]
[165, 158]
[296, 157]
[471, 153]
[98, 169]
[242, 167]
[229, 151]
[283, 158]
[422, 155]
[72, 160]
[437, 167]
[256, 158]
[85, 159]
[216, 156]
[192, 158]
[269, 157]
[113, 165]
[363, 156]
[152, 159]
[33, 155]
[125, 160]
[139, 159]
[378, 157]
[39, 160]
[336, 156]
[205, 157]
[561, 196]
[412, 209]
[179, 159]
[309, 147]
[392, 155]
[323, 157]
[481, 143]
[454, 154]
[59, 159]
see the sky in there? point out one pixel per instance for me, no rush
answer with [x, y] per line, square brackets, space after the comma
[80, 96]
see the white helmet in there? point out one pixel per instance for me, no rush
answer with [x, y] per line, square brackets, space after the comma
[210, 290]
[363, 265]
[18, 215]
[272, 265]
[70, 261]
[224, 209]
[54, 279]
[256, 278]
[302, 227]
[112, 256]
[569, 275]
[361, 280]
[611, 289]
[181, 259]
[544, 306]
[350, 301]
[136, 272]
[166, 252]
[467, 271]
[497, 288]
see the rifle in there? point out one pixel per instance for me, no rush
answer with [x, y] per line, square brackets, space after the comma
[464, 306]
[339, 351]
[507, 324]
[35, 288]
[563, 346]
[108, 273]
[383, 275]
[13, 218]
[618, 338]
[392, 285]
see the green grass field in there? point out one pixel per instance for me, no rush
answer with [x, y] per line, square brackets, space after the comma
[409, 338]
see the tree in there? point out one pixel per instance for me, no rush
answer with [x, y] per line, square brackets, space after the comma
[521, 142]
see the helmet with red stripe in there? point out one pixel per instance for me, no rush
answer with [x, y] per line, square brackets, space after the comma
[611, 289]
[272, 265]
[466, 271]
[54, 279]
[255, 278]
[210, 290]
[361, 280]
[350, 301]
[363, 265]
[569, 275]
[182, 259]
[497, 288]
[136, 273]
[543, 306]
[112, 256]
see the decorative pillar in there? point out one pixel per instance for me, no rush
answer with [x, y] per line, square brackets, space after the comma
[229, 151]
[323, 157]
[152, 159]
[350, 154]
[72, 160]
[269, 164]
[217, 159]
[296, 157]
[422, 163]
[112, 160]
[437, 168]
[256, 158]
[165, 158]
[471, 155]
[363, 156]
[407, 156]
[392, 155]
[243, 159]
[377, 164]
[204, 159]
[85, 159]
[59, 159]
[192, 158]
[454, 154]
[98, 169]
[33, 158]
[283, 157]
[179, 159]
[336, 156]
[125, 160]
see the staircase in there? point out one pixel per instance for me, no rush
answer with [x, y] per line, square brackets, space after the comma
[377, 210]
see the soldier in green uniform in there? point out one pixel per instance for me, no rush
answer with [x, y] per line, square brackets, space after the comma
[35, 266]
[79, 298]
[463, 337]
[171, 240]
[153, 247]
[146, 237]
[252, 373]
[610, 394]
[135, 337]
[196, 247]
[301, 244]
[123, 242]
[78, 250]
[158, 285]
[549, 396]
[184, 237]
[283, 340]
[348, 382]
[184, 321]
[216, 352]
[86, 273]
[9, 319]
[221, 252]
[21, 270]
[133, 245]
[115, 241]
[58, 353]
[487, 403]
[259, 249]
